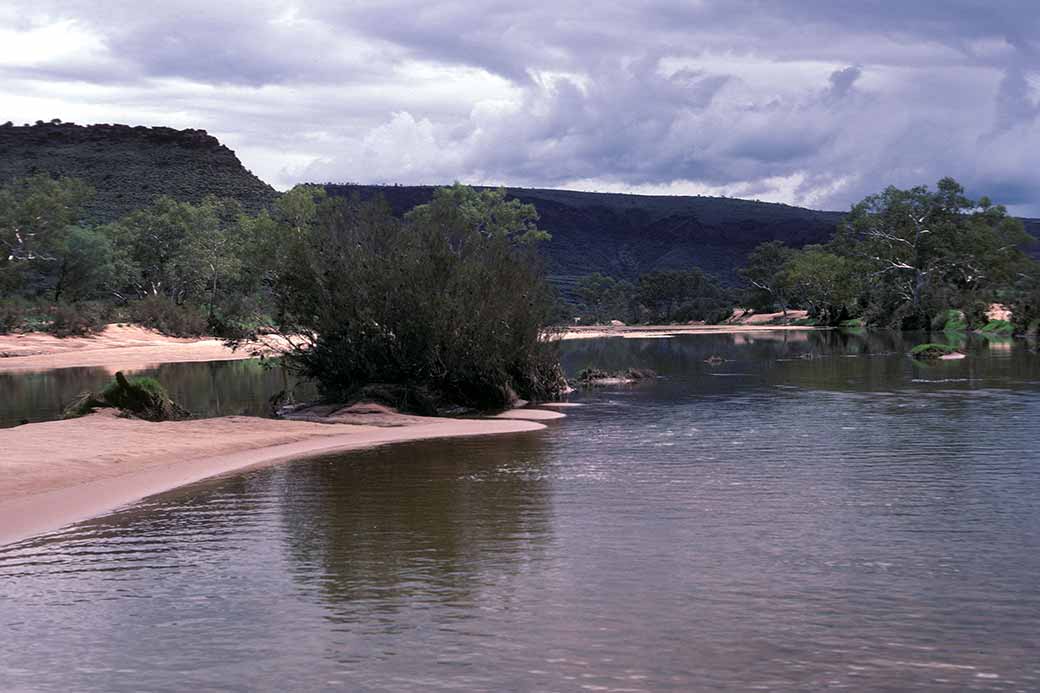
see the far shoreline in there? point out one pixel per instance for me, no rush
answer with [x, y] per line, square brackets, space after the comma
[135, 348]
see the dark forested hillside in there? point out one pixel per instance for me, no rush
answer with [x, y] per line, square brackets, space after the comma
[130, 166]
[627, 235]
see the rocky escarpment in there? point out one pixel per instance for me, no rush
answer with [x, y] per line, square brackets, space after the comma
[130, 166]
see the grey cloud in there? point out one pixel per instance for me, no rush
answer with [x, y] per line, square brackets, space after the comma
[842, 97]
[842, 81]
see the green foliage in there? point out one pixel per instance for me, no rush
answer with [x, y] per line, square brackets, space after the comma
[605, 298]
[162, 314]
[451, 302]
[76, 320]
[1025, 307]
[459, 211]
[87, 267]
[37, 240]
[925, 352]
[949, 320]
[921, 249]
[901, 259]
[677, 296]
[764, 273]
[141, 398]
[180, 250]
[827, 284]
[35, 214]
[1000, 328]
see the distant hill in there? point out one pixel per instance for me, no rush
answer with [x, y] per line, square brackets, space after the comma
[130, 166]
[627, 235]
[617, 234]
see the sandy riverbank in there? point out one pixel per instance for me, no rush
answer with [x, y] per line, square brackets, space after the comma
[59, 472]
[741, 323]
[117, 347]
[130, 347]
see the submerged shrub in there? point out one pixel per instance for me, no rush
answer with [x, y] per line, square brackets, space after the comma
[925, 352]
[141, 398]
[1001, 328]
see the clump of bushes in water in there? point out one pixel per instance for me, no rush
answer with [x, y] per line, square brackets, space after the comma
[927, 352]
[590, 377]
[998, 328]
[140, 398]
[444, 308]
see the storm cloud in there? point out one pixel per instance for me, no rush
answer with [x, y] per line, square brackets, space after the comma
[811, 102]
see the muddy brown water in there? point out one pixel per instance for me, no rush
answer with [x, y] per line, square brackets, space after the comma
[815, 512]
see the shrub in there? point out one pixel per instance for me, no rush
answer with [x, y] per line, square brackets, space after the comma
[450, 303]
[925, 352]
[76, 319]
[12, 315]
[142, 398]
[949, 320]
[162, 314]
[1001, 328]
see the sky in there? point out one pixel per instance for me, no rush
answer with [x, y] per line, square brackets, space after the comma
[809, 102]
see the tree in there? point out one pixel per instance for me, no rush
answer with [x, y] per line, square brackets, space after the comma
[920, 246]
[447, 306]
[763, 271]
[826, 283]
[605, 298]
[36, 215]
[459, 211]
[178, 249]
[682, 296]
[86, 267]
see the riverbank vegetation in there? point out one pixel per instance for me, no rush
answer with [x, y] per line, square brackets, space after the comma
[444, 307]
[916, 259]
[664, 297]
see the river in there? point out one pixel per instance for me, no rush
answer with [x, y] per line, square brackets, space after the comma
[817, 511]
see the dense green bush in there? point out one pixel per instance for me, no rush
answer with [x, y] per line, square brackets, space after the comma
[141, 398]
[949, 320]
[450, 301]
[926, 352]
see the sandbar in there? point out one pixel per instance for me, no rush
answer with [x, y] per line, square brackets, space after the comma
[56, 473]
[117, 347]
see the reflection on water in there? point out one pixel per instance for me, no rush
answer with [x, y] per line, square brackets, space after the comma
[817, 511]
[214, 388]
[370, 533]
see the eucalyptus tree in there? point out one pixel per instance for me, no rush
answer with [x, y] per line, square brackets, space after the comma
[920, 248]
[764, 272]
